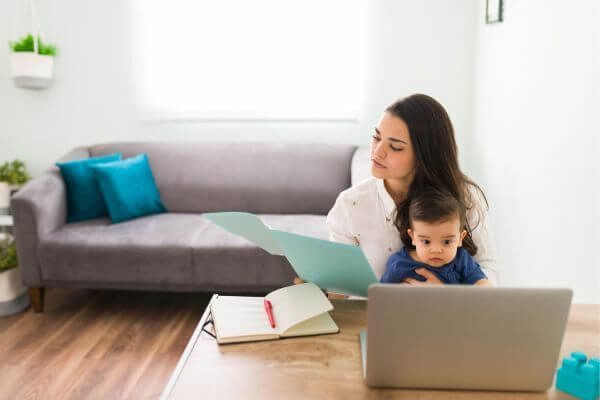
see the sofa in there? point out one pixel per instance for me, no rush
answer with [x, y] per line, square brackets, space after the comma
[290, 186]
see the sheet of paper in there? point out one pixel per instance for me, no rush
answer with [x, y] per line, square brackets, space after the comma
[241, 316]
[297, 303]
[336, 267]
[249, 226]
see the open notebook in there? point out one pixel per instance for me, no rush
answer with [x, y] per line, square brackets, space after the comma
[297, 310]
[335, 267]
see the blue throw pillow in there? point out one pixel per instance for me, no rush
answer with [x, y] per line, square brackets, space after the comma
[84, 199]
[128, 188]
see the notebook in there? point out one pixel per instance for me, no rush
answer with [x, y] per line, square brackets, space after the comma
[297, 310]
[335, 267]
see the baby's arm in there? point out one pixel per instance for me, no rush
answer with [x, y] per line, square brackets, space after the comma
[471, 271]
[395, 269]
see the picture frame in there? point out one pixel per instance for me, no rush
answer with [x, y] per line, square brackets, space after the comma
[494, 11]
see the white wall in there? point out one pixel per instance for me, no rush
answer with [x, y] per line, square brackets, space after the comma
[522, 95]
[424, 46]
[535, 140]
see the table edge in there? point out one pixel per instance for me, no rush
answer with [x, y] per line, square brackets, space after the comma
[186, 353]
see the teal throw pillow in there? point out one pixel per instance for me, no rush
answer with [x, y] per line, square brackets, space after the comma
[129, 189]
[84, 199]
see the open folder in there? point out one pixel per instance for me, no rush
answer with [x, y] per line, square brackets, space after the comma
[335, 267]
[297, 310]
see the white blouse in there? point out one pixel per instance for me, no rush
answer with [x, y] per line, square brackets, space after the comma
[363, 215]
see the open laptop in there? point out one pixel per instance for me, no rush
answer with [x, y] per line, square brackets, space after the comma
[463, 337]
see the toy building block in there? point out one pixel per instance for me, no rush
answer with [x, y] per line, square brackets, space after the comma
[578, 378]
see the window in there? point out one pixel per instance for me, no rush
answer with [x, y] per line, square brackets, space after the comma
[249, 60]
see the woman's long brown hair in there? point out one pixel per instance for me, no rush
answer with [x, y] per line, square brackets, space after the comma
[436, 160]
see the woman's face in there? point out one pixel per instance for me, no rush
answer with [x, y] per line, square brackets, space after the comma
[392, 155]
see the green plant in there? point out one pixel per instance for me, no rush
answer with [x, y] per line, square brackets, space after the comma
[8, 255]
[14, 173]
[26, 44]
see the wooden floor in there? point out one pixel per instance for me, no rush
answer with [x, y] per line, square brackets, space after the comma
[96, 344]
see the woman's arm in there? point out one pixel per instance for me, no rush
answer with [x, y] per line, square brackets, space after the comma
[338, 224]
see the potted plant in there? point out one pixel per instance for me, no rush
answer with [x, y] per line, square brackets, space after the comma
[12, 175]
[31, 62]
[13, 298]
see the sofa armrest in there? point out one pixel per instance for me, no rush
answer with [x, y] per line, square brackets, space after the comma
[39, 208]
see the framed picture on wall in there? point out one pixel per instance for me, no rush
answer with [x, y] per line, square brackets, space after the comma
[493, 11]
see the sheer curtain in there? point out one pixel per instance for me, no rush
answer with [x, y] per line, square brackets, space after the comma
[249, 60]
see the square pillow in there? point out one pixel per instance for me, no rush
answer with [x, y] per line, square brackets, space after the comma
[129, 189]
[84, 199]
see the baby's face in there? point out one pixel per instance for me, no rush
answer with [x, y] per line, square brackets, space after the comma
[437, 243]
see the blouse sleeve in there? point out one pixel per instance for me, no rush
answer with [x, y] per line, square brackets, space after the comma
[338, 224]
[483, 239]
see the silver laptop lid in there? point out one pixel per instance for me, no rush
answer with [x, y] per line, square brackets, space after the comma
[464, 337]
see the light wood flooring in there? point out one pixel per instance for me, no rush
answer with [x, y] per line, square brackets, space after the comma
[92, 344]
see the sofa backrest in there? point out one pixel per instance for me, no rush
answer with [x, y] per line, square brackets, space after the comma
[273, 178]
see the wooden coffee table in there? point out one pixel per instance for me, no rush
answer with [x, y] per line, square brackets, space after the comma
[328, 366]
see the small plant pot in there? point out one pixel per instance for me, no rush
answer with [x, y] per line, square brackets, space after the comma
[5, 190]
[31, 70]
[13, 296]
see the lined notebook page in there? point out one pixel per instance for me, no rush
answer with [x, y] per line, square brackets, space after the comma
[241, 316]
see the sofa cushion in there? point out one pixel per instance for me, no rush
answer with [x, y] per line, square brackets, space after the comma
[128, 188]
[276, 178]
[170, 249]
[233, 263]
[84, 199]
[151, 249]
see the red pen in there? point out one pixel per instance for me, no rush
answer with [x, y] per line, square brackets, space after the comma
[269, 309]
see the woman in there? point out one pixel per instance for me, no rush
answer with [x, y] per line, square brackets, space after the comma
[413, 147]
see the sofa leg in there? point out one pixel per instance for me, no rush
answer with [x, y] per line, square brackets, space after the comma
[36, 294]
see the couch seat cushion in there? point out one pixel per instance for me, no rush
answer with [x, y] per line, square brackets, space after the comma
[232, 263]
[151, 249]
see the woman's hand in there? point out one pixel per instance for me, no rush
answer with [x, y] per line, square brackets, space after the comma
[431, 278]
[337, 296]
[298, 281]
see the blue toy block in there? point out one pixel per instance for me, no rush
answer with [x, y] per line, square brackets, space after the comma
[578, 378]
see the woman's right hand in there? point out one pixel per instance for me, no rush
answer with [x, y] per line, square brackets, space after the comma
[298, 281]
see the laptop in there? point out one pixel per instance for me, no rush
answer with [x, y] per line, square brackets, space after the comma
[463, 337]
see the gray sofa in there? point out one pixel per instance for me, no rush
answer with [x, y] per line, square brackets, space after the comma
[291, 186]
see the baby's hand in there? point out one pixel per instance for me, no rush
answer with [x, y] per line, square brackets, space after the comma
[430, 278]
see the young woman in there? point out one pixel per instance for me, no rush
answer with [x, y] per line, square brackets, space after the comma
[413, 148]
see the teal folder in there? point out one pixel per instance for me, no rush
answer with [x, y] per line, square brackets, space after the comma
[336, 267]
[249, 226]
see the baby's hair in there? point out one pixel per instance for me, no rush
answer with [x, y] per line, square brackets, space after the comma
[433, 206]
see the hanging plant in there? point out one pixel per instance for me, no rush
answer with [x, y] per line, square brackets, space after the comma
[32, 60]
[26, 44]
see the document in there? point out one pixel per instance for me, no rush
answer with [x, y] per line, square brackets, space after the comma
[335, 267]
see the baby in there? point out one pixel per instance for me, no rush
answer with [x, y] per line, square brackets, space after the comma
[437, 223]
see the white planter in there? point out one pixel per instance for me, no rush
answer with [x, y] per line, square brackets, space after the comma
[10, 285]
[31, 70]
[4, 195]
[13, 296]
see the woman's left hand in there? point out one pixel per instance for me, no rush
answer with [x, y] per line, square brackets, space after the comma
[431, 278]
